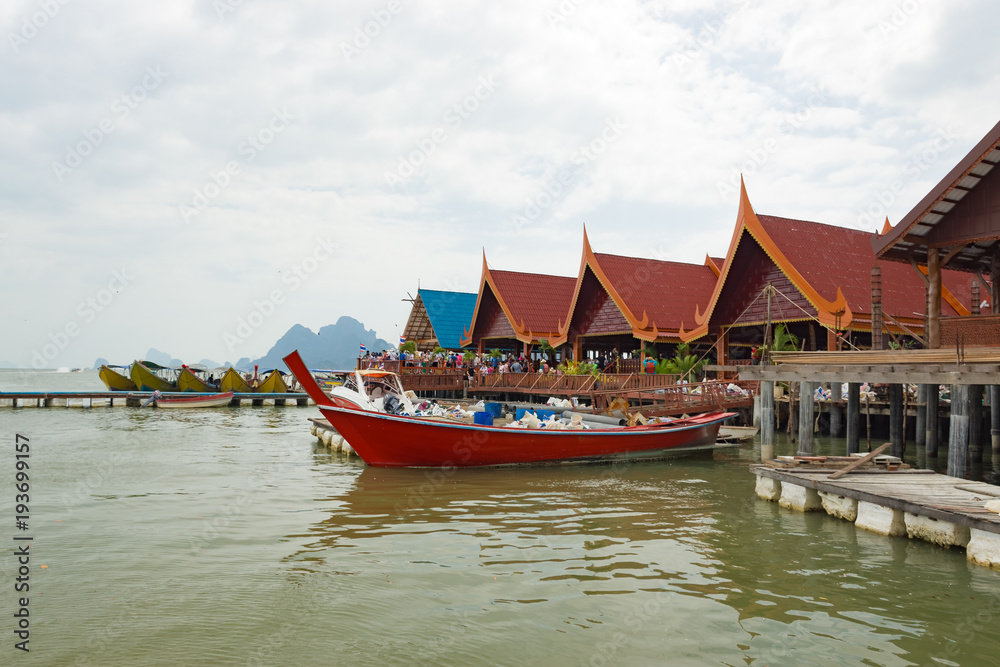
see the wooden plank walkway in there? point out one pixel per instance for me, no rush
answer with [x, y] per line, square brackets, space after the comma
[921, 492]
[47, 399]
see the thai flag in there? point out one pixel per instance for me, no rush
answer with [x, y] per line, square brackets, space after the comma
[402, 340]
[363, 348]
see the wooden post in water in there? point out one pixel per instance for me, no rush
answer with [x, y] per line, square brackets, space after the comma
[766, 420]
[853, 417]
[976, 423]
[896, 435]
[921, 426]
[836, 411]
[806, 401]
[931, 427]
[958, 436]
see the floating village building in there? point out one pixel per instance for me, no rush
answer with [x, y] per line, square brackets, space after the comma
[516, 311]
[621, 304]
[818, 280]
[438, 319]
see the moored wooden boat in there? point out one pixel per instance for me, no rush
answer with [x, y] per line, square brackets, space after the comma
[273, 383]
[397, 441]
[145, 378]
[114, 380]
[209, 401]
[188, 381]
[233, 381]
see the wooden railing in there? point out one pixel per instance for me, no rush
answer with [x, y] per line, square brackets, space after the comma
[562, 384]
[450, 381]
[679, 398]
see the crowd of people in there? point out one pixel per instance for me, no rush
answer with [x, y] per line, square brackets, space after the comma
[473, 363]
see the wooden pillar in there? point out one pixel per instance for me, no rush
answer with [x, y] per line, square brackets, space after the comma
[722, 347]
[836, 411]
[994, 285]
[995, 425]
[921, 427]
[578, 349]
[806, 404]
[853, 416]
[933, 298]
[975, 423]
[524, 349]
[836, 420]
[958, 436]
[766, 420]
[896, 435]
[931, 397]
[876, 308]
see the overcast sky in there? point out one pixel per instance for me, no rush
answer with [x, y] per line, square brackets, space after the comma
[170, 169]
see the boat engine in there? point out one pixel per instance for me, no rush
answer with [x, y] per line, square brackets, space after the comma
[392, 405]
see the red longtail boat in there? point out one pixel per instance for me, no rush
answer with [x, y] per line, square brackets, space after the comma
[402, 441]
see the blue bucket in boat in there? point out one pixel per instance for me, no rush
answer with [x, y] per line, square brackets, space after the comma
[542, 415]
[482, 418]
[494, 409]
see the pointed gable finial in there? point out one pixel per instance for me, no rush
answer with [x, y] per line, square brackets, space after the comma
[586, 240]
[744, 197]
[887, 227]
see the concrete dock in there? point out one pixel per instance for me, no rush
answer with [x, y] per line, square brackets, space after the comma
[920, 504]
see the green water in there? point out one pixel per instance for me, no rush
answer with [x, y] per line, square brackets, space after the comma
[227, 537]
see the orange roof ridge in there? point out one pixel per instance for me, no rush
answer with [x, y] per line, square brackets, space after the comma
[887, 227]
[710, 263]
[747, 220]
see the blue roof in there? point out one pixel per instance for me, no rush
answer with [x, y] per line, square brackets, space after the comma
[450, 314]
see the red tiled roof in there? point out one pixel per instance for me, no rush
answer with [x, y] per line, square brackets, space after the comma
[536, 299]
[829, 257]
[667, 292]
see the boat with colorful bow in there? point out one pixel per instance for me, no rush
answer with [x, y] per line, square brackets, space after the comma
[114, 380]
[147, 376]
[233, 381]
[273, 383]
[187, 380]
[389, 440]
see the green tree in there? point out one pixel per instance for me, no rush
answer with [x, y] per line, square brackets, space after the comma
[410, 347]
[784, 340]
[684, 363]
[546, 349]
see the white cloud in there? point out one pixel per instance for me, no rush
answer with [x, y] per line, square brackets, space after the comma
[819, 105]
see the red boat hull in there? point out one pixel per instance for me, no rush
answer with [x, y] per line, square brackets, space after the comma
[393, 441]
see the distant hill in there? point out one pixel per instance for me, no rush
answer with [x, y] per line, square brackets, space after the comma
[161, 358]
[8, 364]
[334, 346]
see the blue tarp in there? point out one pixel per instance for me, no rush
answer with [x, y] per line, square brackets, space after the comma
[450, 314]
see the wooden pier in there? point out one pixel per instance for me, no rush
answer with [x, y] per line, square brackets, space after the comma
[921, 504]
[91, 399]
